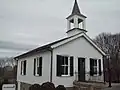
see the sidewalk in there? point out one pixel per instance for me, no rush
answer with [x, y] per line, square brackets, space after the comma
[115, 86]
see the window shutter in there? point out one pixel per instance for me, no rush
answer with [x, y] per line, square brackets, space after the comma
[21, 68]
[59, 62]
[25, 67]
[100, 72]
[34, 66]
[71, 66]
[91, 67]
[40, 66]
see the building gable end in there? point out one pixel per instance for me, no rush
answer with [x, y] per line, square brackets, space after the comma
[78, 36]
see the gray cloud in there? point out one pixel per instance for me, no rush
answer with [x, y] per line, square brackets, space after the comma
[25, 24]
[11, 49]
[15, 46]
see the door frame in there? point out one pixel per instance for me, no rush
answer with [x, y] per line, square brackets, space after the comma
[79, 68]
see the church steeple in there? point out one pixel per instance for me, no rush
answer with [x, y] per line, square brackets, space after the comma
[76, 21]
[76, 10]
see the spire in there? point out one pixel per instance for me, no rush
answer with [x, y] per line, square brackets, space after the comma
[78, 21]
[76, 10]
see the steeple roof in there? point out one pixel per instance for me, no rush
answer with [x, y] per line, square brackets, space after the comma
[76, 10]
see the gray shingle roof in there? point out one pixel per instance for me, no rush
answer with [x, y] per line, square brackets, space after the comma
[46, 47]
[42, 48]
[76, 10]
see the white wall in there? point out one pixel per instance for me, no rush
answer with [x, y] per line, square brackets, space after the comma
[29, 77]
[77, 48]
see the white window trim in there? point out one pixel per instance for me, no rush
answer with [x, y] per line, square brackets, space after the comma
[96, 67]
[36, 68]
[67, 65]
[37, 65]
[22, 67]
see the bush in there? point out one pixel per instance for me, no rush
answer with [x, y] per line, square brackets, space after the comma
[60, 87]
[35, 87]
[1, 86]
[5, 81]
[48, 85]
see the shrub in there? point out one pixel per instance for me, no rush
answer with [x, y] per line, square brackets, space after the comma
[35, 87]
[60, 87]
[48, 85]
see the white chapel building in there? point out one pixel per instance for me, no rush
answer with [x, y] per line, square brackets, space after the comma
[74, 57]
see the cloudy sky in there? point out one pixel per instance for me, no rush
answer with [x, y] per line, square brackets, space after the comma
[27, 24]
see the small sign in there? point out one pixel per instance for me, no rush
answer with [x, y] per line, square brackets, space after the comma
[8, 87]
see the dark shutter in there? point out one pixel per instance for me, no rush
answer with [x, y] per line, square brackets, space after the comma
[71, 66]
[25, 67]
[34, 66]
[91, 67]
[21, 67]
[40, 67]
[100, 72]
[59, 62]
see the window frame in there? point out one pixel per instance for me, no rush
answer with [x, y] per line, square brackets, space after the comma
[67, 66]
[37, 66]
[23, 68]
[59, 68]
[95, 66]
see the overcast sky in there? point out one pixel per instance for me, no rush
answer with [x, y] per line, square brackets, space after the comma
[27, 24]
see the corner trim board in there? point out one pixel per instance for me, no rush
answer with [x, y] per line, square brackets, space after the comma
[51, 65]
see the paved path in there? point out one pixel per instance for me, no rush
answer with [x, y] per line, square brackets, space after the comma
[114, 87]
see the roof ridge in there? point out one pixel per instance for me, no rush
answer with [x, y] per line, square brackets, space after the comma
[46, 46]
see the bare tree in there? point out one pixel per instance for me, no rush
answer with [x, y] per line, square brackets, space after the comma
[110, 44]
[2, 62]
[10, 61]
[7, 62]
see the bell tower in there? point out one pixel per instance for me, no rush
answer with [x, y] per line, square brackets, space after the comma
[76, 21]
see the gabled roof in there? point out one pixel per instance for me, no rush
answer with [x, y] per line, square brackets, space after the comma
[55, 44]
[42, 48]
[82, 34]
